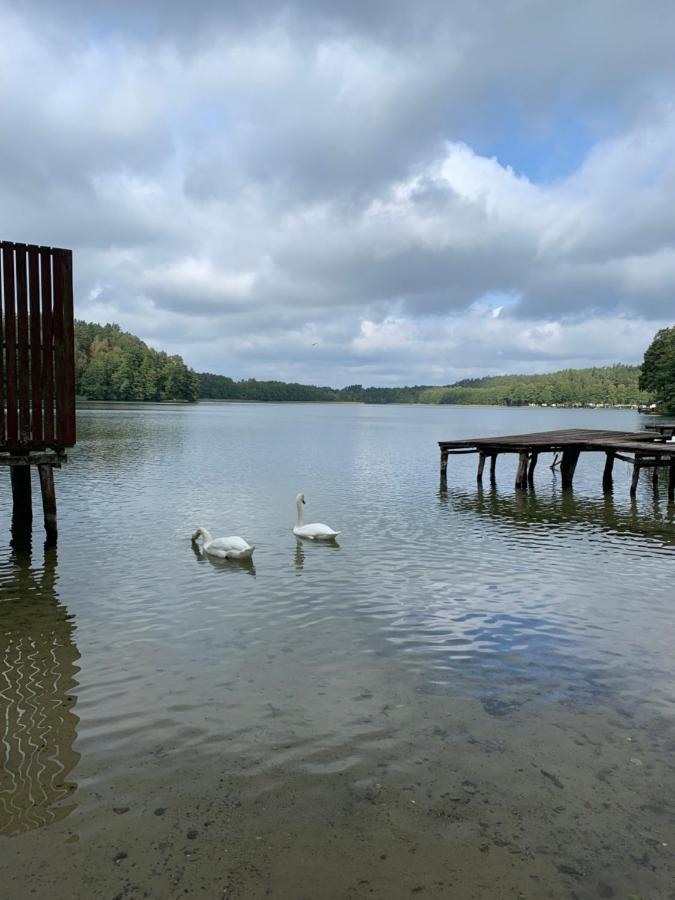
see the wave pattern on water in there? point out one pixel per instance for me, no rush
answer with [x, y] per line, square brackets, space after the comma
[507, 599]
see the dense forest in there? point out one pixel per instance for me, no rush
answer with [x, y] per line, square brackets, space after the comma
[658, 369]
[115, 365]
[612, 385]
[111, 364]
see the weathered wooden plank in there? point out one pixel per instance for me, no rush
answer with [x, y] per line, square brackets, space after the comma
[9, 302]
[47, 346]
[35, 344]
[23, 357]
[65, 347]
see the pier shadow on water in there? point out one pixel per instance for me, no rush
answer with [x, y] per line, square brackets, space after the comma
[38, 668]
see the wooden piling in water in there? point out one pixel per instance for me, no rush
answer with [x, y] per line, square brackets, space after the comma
[530, 472]
[22, 507]
[48, 502]
[636, 477]
[607, 475]
[481, 466]
[655, 473]
[521, 474]
[568, 465]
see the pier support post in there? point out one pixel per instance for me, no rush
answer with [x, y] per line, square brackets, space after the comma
[655, 473]
[481, 466]
[48, 502]
[530, 472]
[444, 468]
[568, 464]
[22, 507]
[671, 480]
[607, 479]
[521, 474]
[493, 468]
[636, 477]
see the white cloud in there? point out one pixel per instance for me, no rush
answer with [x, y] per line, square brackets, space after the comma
[295, 192]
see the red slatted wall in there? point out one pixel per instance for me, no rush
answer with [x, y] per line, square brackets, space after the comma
[37, 348]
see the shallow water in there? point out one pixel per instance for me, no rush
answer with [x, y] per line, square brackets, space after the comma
[470, 696]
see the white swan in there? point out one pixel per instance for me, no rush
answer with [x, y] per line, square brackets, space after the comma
[316, 531]
[225, 547]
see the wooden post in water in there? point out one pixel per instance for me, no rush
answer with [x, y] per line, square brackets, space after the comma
[22, 507]
[481, 466]
[530, 472]
[444, 468]
[671, 480]
[607, 479]
[655, 473]
[521, 474]
[568, 464]
[636, 476]
[48, 502]
[493, 468]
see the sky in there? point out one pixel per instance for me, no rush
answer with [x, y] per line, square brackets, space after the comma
[365, 191]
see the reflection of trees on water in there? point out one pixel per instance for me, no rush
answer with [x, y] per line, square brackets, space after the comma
[38, 725]
[527, 509]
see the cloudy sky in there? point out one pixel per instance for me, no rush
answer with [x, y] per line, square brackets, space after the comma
[371, 191]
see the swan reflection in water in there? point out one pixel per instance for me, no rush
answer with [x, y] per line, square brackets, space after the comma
[38, 725]
[303, 547]
[234, 566]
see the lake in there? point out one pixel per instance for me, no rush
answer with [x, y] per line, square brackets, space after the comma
[469, 696]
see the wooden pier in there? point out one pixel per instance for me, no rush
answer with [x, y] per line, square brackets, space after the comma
[642, 449]
[37, 374]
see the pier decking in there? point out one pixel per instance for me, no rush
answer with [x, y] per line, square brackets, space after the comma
[649, 449]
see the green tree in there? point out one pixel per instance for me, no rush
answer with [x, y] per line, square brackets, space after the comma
[111, 364]
[658, 369]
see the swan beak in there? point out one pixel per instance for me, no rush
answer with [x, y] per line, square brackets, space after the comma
[303, 501]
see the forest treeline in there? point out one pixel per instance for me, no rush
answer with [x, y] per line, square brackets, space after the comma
[114, 365]
[610, 385]
[111, 364]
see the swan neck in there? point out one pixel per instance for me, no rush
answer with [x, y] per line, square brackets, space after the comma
[206, 535]
[299, 521]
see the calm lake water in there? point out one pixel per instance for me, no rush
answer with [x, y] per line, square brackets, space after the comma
[471, 696]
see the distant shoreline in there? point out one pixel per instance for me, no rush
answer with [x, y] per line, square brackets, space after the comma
[233, 402]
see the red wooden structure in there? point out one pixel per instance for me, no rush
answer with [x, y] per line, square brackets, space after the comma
[37, 369]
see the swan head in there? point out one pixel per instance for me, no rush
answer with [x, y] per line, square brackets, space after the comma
[196, 534]
[300, 498]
